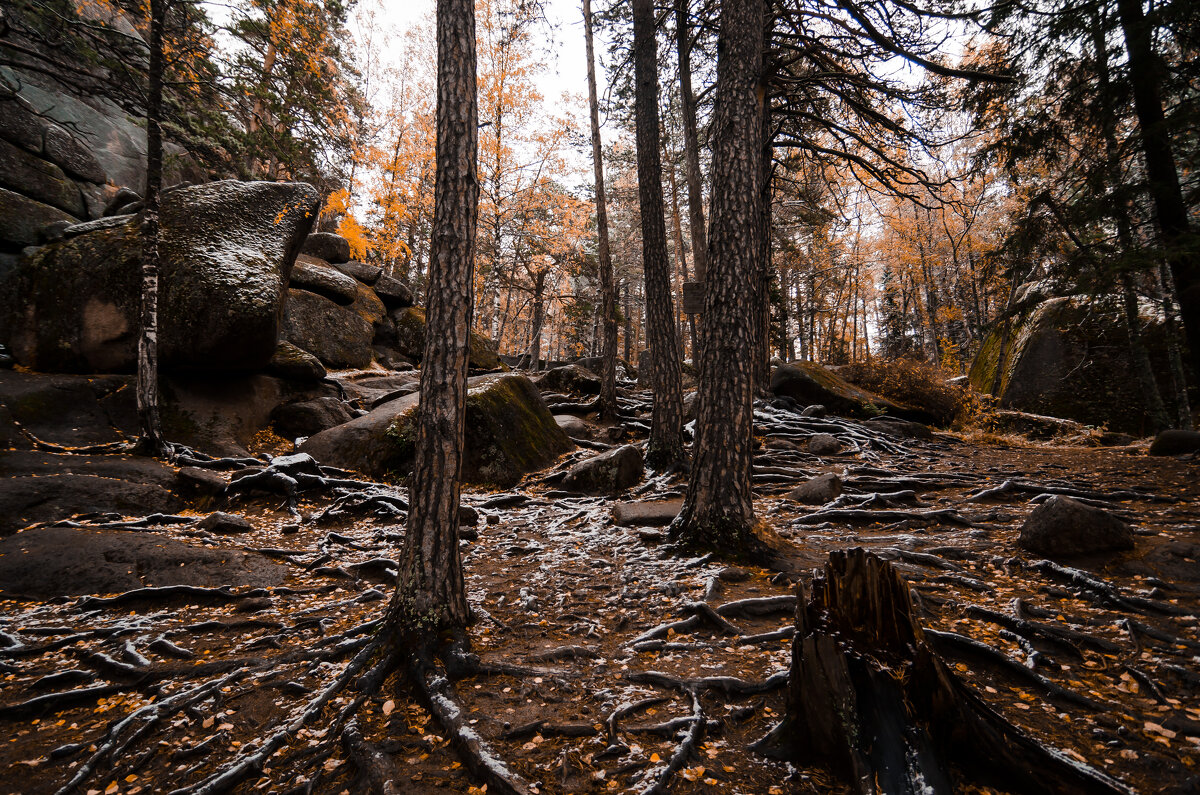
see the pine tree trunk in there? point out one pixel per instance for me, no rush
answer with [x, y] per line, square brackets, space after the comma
[608, 292]
[718, 510]
[1140, 357]
[762, 313]
[1170, 210]
[149, 420]
[691, 153]
[1183, 407]
[431, 595]
[665, 449]
[539, 317]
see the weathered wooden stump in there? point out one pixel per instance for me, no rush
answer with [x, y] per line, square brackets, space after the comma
[870, 699]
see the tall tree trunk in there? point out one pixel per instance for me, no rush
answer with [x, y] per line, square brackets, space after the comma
[1140, 357]
[1138, 354]
[608, 292]
[680, 258]
[691, 154]
[539, 318]
[665, 448]
[430, 595]
[718, 511]
[762, 311]
[691, 142]
[1170, 210]
[149, 421]
[1183, 408]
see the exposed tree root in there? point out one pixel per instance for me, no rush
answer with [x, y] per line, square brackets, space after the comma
[687, 747]
[1104, 593]
[729, 685]
[1021, 487]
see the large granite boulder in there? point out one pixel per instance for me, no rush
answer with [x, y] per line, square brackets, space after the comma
[1068, 357]
[606, 473]
[1062, 528]
[509, 433]
[337, 335]
[318, 276]
[39, 179]
[327, 246]
[570, 378]
[22, 219]
[809, 383]
[227, 250]
[410, 340]
[215, 412]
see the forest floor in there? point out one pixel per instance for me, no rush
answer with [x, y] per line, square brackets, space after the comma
[570, 601]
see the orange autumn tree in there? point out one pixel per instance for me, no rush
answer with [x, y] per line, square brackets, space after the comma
[529, 223]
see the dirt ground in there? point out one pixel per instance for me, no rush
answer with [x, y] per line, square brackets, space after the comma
[566, 595]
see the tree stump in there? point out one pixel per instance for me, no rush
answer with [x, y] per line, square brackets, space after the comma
[870, 699]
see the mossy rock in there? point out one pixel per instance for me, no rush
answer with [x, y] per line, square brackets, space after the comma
[337, 335]
[227, 249]
[1069, 357]
[509, 433]
[809, 383]
[410, 341]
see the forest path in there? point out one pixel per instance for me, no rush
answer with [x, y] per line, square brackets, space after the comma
[606, 653]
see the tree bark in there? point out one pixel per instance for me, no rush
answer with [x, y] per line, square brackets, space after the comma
[608, 291]
[691, 153]
[149, 420]
[718, 510]
[691, 143]
[665, 449]
[762, 312]
[1170, 210]
[1183, 408]
[871, 699]
[430, 595]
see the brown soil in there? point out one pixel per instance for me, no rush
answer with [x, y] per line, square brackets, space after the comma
[555, 572]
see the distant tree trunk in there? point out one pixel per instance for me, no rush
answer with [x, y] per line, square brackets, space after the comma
[1183, 408]
[430, 595]
[608, 292]
[1170, 210]
[691, 142]
[718, 511]
[149, 421]
[534, 356]
[628, 304]
[762, 313]
[665, 448]
[680, 259]
[1140, 357]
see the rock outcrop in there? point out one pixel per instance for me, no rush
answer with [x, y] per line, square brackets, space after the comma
[809, 383]
[509, 433]
[227, 252]
[1068, 357]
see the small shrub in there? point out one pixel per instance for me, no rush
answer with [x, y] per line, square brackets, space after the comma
[919, 385]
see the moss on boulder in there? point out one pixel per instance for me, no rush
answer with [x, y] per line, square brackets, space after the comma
[509, 433]
[1069, 357]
